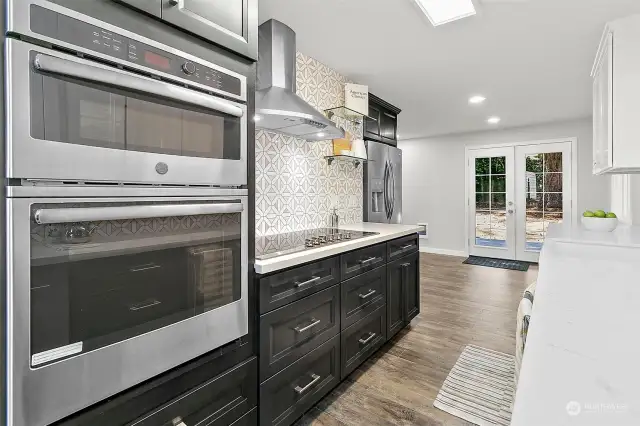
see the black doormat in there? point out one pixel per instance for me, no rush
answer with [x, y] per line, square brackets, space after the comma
[515, 265]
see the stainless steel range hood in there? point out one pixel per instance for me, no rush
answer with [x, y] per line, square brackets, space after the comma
[278, 108]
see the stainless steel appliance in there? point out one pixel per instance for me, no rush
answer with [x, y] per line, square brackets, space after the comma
[278, 107]
[155, 277]
[383, 184]
[270, 246]
[127, 208]
[113, 106]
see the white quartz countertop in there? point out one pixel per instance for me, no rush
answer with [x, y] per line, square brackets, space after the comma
[385, 232]
[580, 365]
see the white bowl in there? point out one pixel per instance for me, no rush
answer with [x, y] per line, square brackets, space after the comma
[600, 224]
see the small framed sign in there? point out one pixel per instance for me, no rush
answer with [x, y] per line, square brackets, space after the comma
[356, 98]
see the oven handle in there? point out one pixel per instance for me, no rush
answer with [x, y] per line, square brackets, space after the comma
[92, 214]
[86, 70]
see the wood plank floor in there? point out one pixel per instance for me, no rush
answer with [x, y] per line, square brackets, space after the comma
[460, 304]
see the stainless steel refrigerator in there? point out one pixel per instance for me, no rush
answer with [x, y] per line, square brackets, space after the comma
[383, 184]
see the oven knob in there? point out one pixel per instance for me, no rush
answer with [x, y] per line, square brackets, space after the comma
[188, 68]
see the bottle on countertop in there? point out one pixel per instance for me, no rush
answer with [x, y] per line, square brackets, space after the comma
[335, 219]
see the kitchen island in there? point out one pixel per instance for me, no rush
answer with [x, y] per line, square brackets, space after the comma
[324, 310]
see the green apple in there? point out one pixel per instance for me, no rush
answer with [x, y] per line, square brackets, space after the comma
[588, 213]
[611, 215]
[599, 213]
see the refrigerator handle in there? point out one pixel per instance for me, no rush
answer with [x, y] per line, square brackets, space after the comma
[393, 191]
[385, 189]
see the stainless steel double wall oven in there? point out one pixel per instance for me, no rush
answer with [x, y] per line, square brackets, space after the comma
[127, 213]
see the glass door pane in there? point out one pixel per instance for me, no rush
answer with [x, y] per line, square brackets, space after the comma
[491, 204]
[543, 196]
[100, 282]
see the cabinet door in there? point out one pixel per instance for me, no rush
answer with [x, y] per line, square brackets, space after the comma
[395, 298]
[152, 7]
[232, 24]
[372, 125]
[602, 110]
[411, 286]
[388, 126]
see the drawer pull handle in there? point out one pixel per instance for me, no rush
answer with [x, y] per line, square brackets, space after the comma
[301, 391]
[307, 282]
[367, 261]
[407, 247]
[368, 339]
[145, 267]
[314, 322]
[366, 296]
[144, 304]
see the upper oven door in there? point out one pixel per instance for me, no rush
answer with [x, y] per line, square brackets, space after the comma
[71, 118]
[107, 292]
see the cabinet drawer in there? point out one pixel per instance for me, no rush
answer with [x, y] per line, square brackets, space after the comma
[363, 260]
[288, 394]
[362, 339]
[401, 247]
[292, 331]
[249, 419]
[286, 287]
[362, 295]
[218, 402]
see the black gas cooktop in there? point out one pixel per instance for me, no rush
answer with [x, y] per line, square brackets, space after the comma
[271, 246]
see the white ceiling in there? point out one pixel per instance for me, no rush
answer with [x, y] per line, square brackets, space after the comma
[530, 58]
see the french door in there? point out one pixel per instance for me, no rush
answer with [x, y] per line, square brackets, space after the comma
[515, 192]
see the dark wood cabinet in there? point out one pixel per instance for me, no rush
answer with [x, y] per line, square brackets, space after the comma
[232, 24]
[290, 393]
[362, 295]
[359, 261]
[313, 337]
[285, 287]
[382, 123]
[290, 332]
[401, 247]
[362, 339]
[403, 292]
[201, 392]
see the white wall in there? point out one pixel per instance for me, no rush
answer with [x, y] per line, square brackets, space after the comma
[433, 177]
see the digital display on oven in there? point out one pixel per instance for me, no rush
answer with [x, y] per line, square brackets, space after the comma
[157, 60]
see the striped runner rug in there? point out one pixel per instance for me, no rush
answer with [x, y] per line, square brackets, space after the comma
[480, 387]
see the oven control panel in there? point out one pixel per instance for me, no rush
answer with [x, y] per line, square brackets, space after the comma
[79, 33]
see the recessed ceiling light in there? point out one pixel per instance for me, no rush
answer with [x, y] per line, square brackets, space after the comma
[320, 134]
[493, 120]
[478, 99]
[257, 118]
[443, 11]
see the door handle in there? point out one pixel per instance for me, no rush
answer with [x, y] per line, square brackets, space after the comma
[366, 296]
[81, 68]
[306, 283]
[93, 214]
[367, 261]
[144, 304]
[368, 339]
[302, 390]
[145, 267]
[406, 265]
[314, 322]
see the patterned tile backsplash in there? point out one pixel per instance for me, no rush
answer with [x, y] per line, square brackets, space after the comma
[295, 187]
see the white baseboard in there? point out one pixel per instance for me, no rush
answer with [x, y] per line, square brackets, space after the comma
[433, 250]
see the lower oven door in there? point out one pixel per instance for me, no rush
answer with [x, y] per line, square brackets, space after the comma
[107, 292]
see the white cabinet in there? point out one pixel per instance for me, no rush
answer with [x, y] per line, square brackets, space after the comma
[616, 99]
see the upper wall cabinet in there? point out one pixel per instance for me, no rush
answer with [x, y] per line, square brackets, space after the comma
[232, 24]
[616, 90]
[382, 123]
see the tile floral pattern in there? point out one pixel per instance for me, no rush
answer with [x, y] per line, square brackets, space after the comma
[295, 187]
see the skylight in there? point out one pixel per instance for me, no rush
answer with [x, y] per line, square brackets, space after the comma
[443, 11]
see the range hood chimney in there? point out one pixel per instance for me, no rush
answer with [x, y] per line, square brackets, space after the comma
[278, 108]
